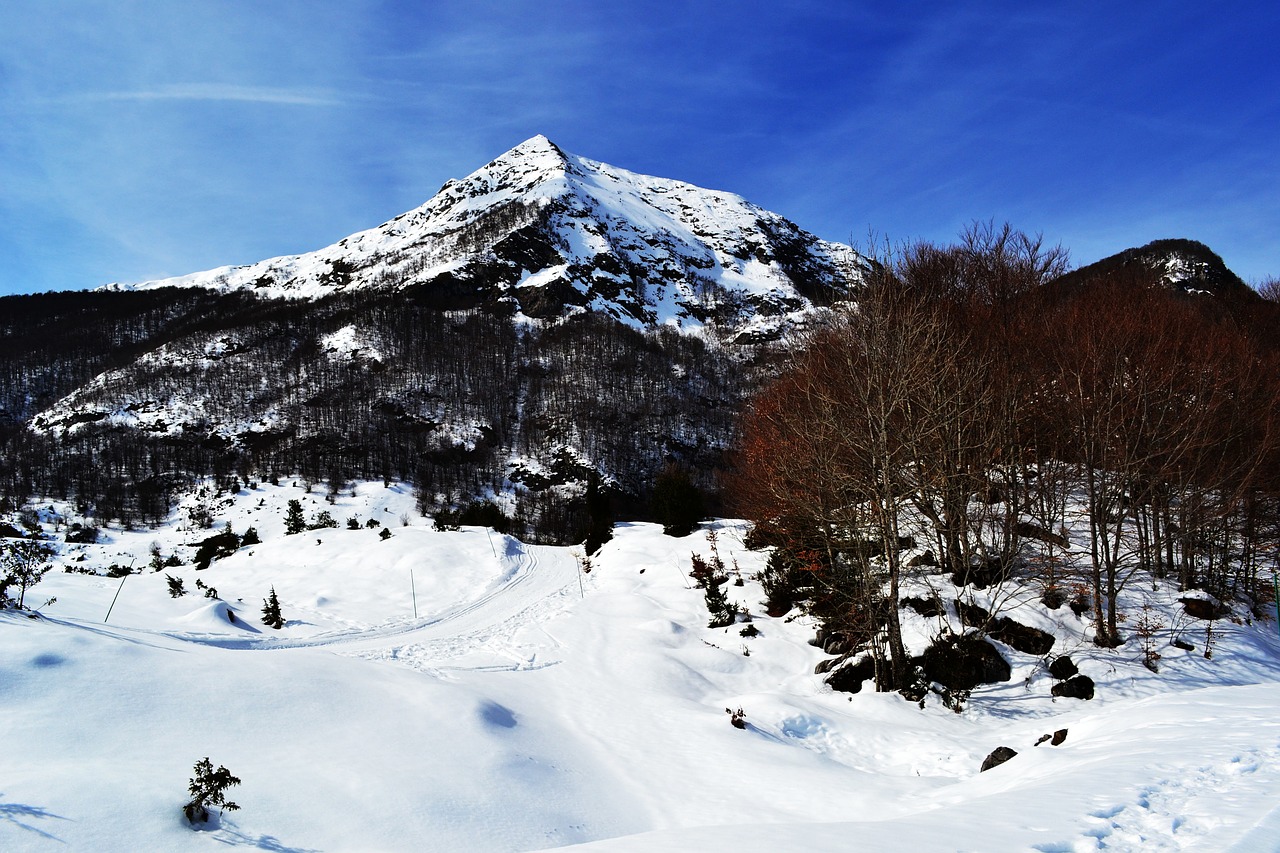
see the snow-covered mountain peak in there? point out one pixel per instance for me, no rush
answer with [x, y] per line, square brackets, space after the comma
[546, 233]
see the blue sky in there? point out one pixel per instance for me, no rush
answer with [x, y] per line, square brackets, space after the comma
[144, 139]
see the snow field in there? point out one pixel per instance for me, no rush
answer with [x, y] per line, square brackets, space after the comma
[529, 706]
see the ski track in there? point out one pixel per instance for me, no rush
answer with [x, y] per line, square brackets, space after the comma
[536, 592]
[1183, 809]
[529, 591]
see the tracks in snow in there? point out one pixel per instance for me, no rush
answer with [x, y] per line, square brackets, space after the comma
[535, 584]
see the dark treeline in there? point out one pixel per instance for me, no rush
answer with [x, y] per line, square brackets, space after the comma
[978, 401]
[159, 389]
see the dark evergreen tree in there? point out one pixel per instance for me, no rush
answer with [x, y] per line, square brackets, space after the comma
[176, 588]
[599, 515]
[677, 504]
[207, 788]
[271, 615]
[294, 520]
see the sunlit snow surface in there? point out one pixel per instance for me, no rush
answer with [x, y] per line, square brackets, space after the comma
[529, 706]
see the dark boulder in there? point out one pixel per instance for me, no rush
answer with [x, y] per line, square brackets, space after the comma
[931, 606]
[982, 575]
[1054, 598]
[849, 678]
[1203, 608]
[962, 663]
[1080, 687]
[998, 756]
[1055, 739]
[837, 644]
[1027, 530]
[972, 615]
[1063, 667]
[925, 559]
[825, 666]
[1024, 638]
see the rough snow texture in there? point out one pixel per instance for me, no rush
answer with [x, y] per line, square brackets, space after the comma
[528, 705]
[547, 232]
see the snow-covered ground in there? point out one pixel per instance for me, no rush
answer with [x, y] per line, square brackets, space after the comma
[529, 705]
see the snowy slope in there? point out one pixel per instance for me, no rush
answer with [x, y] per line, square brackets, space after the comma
[530, 706]
[549, 231]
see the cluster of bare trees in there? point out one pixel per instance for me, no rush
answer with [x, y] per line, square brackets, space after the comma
[969, 402]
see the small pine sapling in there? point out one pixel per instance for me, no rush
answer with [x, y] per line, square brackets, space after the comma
[710, 576]
[738, 718]
[271, 615]
[1147, 626]
[385, 534]
[176, 587]
[207, 788]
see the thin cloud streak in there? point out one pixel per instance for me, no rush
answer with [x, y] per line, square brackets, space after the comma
[218, 92]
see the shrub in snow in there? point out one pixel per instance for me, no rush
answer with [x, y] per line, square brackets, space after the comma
[250, 537]
[22, 565]
[324, 519]
[215, 547]
[710, 575]
[385, 534]
[176, 588]
[353, 523]
[207, 788]
[271, 615]
[78, 534]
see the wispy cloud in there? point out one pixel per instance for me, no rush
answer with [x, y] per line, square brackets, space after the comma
[219, 92]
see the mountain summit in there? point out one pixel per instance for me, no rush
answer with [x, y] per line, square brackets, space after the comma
[545, 233]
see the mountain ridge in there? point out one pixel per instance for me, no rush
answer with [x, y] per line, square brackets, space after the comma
[544, 233]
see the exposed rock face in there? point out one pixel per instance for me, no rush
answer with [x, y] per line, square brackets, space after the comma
[1063, 667]
[1024, 638]
[962, 663]
[998, 756]
[850, 678]
[1080, 687]
[1203, 608]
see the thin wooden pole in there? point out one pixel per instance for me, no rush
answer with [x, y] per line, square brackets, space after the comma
[114, 597]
